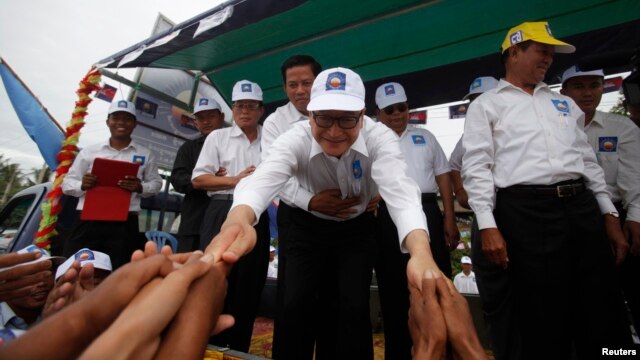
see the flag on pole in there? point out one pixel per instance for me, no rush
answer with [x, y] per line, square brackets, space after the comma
[35, 118]
[107, 93]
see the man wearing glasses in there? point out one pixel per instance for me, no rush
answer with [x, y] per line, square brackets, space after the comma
[339, 148]
[427, 165]
[236, 149]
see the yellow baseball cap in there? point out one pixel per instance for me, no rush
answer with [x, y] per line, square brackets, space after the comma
[535, 31]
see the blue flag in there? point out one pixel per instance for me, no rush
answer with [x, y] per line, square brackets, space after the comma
[33, 116]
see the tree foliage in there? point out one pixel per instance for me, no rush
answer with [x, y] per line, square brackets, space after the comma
[13, 179]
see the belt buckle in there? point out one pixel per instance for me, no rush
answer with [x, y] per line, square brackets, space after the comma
[565, 190]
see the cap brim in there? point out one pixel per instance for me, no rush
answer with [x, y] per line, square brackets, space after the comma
[383, 104]
[560, 46]
[342, 102]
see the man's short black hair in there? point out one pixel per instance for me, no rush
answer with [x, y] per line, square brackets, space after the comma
[523, 46]
[300, 60]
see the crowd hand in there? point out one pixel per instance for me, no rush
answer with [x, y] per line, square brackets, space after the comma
[460, 328]
[373, 205]
[18, 281]
[426, 321]
[87, 318]
[330, 202]
[88, 181]
[618, 242]
[451, 233]
[246, 172]
[72, 286]
[131, 183]
[494, 247]
[221, 171]
[632, 232]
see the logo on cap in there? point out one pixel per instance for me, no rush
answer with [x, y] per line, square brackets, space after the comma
[516, 37]
[245, 87]
[203, 102]
[84, 255]
[476, 84]
[336, 81]
[122, 104]
[138, 159]
[608, 144]
[389, 90]
[561, 106]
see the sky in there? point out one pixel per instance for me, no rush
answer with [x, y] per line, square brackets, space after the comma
[52, 44]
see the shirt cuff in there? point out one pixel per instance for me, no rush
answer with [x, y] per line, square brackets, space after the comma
[302, 199]
[410, 220]
[633, 213]
[486, 220]
[605, 204]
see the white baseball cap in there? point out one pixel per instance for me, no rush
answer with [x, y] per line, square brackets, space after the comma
[85, 256]
[389, 94]
[465, 260]
[574, 71]
[55, 260]
[272, 248]
[122, 105]
[205, 104]
[246, 90]
[480, 85]
[337, 89]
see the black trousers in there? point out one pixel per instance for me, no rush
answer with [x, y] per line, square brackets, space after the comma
[284, 223]
[188, 243]
[559, 290]
[326, 300]
[118, 239]
[391, 272]
[629, 274]
[245, 281]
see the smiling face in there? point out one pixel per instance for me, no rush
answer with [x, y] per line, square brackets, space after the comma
[397, 120]
[299, 80]
[586, 91]
[121, 125]
[334, 140]
[526, 67]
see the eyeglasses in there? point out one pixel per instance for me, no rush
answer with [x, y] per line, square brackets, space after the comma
[344, 122]
[248, 106]
[391, 108]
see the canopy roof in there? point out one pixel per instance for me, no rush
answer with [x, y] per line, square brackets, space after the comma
[434, 48]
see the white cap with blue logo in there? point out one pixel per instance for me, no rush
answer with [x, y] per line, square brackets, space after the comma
[481, 85]
[337, 89]
[575, 71]
[85, 256]
[205, 104]
[389, 94]
[55, 260]
[122, 105]
[246, 90]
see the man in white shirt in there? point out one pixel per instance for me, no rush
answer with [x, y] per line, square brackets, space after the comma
[118, 239]
[339, 148]
[427, 165]
[273, 264]
[542, 208]
[237, 149]
[465, 281]
[616, 142]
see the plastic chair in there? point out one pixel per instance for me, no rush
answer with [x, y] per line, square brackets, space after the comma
[161, 238]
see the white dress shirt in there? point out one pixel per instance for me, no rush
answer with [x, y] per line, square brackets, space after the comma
[512, 137]
[147, 172]
[466, 284]
[616, 142]
[424, 156]
[373, 163]
[229, 148]
[455, 161]
[276, 124]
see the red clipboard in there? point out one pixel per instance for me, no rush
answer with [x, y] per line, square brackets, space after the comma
[107, 201]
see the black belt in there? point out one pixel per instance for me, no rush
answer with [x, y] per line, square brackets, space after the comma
[228, 197]
[561, 189]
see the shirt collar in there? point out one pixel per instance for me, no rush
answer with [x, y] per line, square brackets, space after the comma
[503, 84]
[597, 119]
[6, 314]
[107, 145]
[292, 114]
[236, 131]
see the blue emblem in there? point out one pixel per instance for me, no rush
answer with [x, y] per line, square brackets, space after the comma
[336, 81]
[608, 144]
[516, 37]
[122, 104]
[476, 84]
[138, 159]
[32, 248]
[245, 87]
[204, 102]
[418, 140]
[561, 105]
[357, 169]
[389, 90]
[84, 255]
